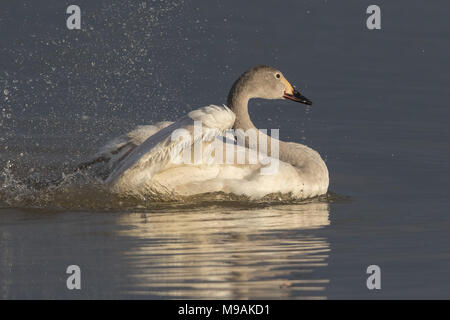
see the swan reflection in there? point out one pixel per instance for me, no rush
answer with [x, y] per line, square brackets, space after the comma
[220, 253]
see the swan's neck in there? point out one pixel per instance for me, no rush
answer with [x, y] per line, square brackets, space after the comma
[238, 102]
[239, 105]
[238, 99]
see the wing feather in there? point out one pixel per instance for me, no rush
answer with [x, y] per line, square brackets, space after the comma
[118, 148]
[162, 150]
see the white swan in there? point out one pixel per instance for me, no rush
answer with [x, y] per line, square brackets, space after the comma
[149, 159]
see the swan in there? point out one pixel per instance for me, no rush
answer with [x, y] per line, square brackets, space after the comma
[150, 158]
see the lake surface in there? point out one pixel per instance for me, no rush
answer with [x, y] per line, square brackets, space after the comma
[380, 120]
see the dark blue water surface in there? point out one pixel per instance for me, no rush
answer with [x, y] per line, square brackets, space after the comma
[380, 119]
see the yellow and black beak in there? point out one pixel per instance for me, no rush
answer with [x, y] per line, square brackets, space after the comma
[291, 94]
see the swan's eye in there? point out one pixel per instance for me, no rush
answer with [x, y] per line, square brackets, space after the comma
[278, 76]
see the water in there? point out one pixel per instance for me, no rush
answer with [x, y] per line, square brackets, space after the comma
[379, 119]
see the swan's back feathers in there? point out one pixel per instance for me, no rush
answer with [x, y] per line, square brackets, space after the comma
[213, 116]
[135, 137]
[162, 150]
[118, 148]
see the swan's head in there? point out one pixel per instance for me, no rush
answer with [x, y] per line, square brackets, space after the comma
[268, 83]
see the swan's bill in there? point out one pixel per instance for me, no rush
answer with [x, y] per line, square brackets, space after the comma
[291, 94]
[297, 97]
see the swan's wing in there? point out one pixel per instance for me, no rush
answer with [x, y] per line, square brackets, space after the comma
[118, 148]
[165, 147]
